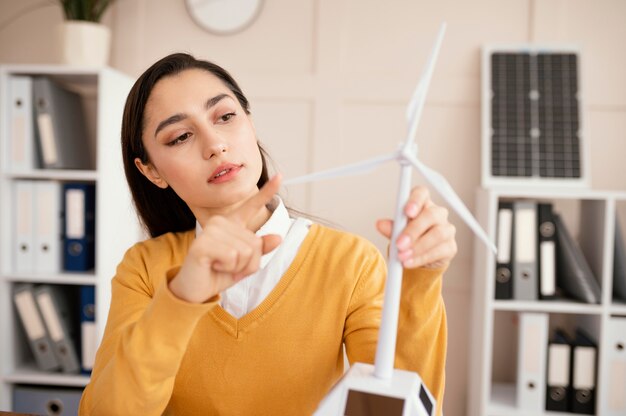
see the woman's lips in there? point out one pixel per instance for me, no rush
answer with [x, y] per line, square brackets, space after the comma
[225, 173]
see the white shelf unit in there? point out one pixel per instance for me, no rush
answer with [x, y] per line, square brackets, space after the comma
[103, 93]
[590, 217]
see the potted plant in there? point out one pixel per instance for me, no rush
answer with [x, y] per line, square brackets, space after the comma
[83, 39]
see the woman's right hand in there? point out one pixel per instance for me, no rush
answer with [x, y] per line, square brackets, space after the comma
[226, 251]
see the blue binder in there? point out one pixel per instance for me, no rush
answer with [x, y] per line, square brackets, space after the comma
[79, 204]
[88, 327]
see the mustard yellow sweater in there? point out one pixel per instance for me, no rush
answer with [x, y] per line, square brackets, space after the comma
[161, 355]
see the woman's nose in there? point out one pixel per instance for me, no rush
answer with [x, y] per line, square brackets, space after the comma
[212, 145]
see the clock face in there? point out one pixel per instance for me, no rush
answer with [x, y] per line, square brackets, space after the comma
[223, 16]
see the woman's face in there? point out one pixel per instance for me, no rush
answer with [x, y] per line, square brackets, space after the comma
[200, 142]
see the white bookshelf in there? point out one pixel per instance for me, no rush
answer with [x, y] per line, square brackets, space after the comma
[589, 215]
[103, 92]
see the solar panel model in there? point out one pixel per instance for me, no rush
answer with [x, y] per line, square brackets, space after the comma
[531, 118]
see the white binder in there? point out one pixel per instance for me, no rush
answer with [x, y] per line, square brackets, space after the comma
[61, 126]
[23, 249]
[47, 233]
[531, 361]
[22, 155]
[615, 404]
[525, 275]
[32, 322]
[60, 323]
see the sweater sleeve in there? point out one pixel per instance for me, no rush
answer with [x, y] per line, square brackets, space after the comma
[422, 329]
[146, 336]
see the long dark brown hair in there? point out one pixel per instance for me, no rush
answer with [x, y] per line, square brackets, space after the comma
[162, 210]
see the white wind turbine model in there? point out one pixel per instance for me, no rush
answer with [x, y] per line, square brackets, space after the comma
[372, 390]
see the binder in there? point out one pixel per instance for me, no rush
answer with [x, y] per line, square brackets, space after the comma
[504, 264]
[60, 321]
[32, 322]
[558, 375]
[47, 232]
[79, 231]
[531, 361]
[619, 263]
[616, 368]
[88, 333]
[547, 252]
[60, 126]
[24, 205]
[584, 361]
[525, 253]
[574, 274]
[46, 400]
[22, 155]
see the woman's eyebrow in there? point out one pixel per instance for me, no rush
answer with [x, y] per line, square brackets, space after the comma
[181, 116]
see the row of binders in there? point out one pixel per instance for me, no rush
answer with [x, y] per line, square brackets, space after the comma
[46, 125]
[54, 226]
[59, 322]
[539, 259]
[563, 376]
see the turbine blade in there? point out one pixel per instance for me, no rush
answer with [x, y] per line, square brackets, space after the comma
[443, 188]
[352, 169]
[414, 109]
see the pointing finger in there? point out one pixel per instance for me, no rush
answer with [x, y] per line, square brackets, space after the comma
[246, 212]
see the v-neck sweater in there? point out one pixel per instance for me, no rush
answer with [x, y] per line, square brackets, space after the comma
[162, 355]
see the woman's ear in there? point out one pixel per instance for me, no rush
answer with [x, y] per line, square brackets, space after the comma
[149, 171]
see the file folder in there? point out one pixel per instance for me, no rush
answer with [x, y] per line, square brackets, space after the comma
[79, 232]
[547, 252]
[24, 205]
[60, 126]
[88, 327]
[60, 321]
[584, 362]
[32, 322]
[504, 265]
[525, 253]
[47, 233]
[619, 263]
[53, 401]
[558, 376]
[616, 359]
[574, 274]
[22, 155]
[531, 361]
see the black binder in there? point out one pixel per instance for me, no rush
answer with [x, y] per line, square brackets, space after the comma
[504, 260]
[574, 274]
[558, 388]
[583, 374]
[547, 251]
[619, 263]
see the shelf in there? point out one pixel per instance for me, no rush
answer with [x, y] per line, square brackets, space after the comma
[62, 278]
[503, 403]
[618, 308]
[55, 174]
[32, 376]
[103, 92]
[548, 306]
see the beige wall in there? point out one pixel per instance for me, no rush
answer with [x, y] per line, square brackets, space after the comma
[329, 81]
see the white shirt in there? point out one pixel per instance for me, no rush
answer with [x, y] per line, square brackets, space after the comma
[248, 293]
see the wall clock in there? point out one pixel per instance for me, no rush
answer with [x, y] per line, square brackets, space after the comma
[224, 17]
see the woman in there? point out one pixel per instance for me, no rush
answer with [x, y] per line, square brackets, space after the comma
[213, 315]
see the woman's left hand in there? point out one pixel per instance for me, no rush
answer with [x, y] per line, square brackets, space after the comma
[428, 238]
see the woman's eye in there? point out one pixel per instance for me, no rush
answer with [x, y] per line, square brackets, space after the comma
[227, 117]
[179, 139]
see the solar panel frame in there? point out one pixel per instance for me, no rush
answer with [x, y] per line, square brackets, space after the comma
[528, 114]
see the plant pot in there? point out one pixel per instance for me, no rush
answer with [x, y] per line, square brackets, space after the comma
[84, 43]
